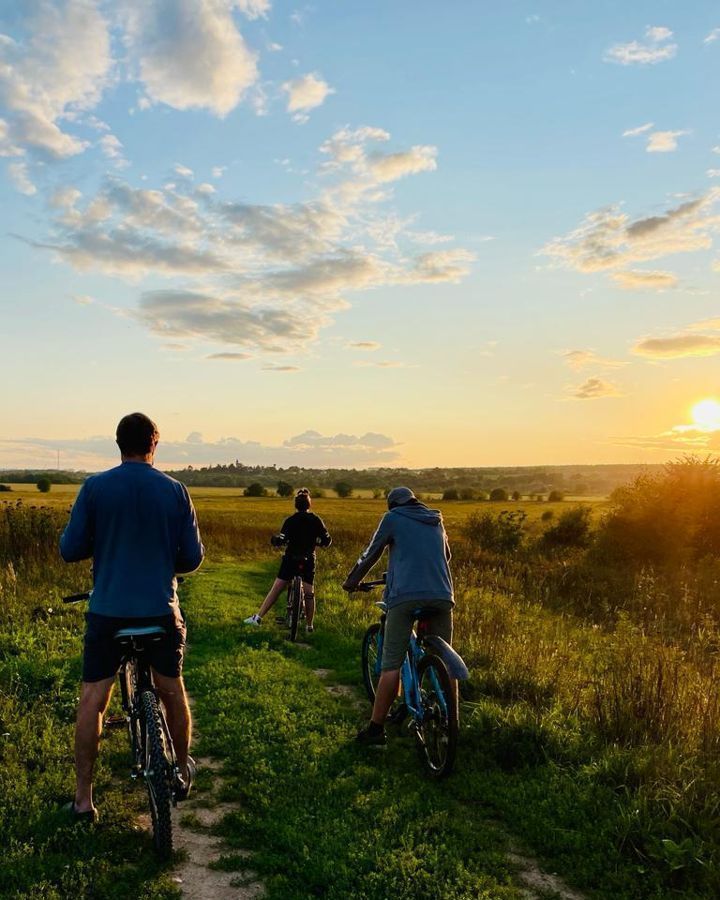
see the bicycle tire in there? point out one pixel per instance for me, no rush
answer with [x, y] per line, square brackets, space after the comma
[134, 725]
[438, 733]
[369, 659]
[296, 601]
[157, 775]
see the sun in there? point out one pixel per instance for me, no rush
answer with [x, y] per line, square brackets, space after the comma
[706, 415]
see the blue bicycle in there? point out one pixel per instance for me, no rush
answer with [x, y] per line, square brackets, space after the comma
[428, 678]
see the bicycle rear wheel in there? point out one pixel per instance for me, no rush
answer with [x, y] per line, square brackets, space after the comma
[437, 734]
[295, 603]
[371, 649]
[158, 774]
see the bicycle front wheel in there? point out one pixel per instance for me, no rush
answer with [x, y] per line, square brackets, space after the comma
[295, 602]
[371, 648]
[438, 731]
[158, 774]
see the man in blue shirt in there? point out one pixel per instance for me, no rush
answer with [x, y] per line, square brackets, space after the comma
[139, 527]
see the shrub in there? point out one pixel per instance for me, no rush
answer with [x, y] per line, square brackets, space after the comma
[499, 534]
[343, 489]
[377, 493]
[284, 489]
[498, 495]
[572, 529]
[467, 494]
[5, 488]
[555, 496]
[255, 490]
[516, 495]
[44, 484]
[547, 515]
[451, 494]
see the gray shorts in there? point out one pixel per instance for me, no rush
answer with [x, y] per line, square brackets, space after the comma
[399, 625]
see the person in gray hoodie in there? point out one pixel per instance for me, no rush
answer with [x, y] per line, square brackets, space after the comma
[418, 577]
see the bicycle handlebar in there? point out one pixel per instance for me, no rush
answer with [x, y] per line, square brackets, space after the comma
[366, 586]
[77, 598]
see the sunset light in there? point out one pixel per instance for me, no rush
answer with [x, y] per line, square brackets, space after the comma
[706, 415]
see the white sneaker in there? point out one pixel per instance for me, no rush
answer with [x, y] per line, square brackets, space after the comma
[253, 620]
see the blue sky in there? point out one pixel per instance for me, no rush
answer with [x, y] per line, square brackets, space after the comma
[359, 233]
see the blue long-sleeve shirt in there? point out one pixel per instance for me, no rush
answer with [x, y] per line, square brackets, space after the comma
[140, 528]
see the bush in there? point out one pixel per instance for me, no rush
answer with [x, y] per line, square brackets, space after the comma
[547, 515]
[377, 493]
[343, 489]
[516, 495]
[556, 496]
[5, 488]
[255, 490]
[451, 494]
[284, 489]
[499, 534]
[467, 494]
[44, 484]
[499, 495]
[572, 529]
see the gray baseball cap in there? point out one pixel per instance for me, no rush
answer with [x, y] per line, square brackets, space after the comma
[400, 495]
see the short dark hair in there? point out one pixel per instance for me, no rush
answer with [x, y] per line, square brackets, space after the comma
[136, 434]
[302, 500]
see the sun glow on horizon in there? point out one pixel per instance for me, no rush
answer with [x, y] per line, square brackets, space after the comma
[706, 414]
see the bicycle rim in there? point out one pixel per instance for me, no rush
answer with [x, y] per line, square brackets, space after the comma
[158, 774]
[371, 649]
[438, 731]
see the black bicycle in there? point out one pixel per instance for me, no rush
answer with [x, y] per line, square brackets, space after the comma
[428, 680]
[153, 754]
[295, 612]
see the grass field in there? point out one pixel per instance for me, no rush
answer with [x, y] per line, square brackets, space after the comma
[588, 737]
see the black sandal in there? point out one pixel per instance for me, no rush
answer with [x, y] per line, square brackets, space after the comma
[90, 816]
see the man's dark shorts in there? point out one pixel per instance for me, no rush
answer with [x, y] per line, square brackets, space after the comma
[102, 654]
[291, 566]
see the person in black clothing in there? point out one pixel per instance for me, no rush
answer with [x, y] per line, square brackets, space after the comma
[300, 534]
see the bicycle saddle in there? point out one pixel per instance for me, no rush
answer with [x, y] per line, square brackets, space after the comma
[142, 631]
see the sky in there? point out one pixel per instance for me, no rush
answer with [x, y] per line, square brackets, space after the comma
[375, 233]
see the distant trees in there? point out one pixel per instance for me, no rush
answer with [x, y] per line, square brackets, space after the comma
[498, 495]
[43, 484]
[255, 490]
[516, 495]
[451, 494]
[284, 489]
[343, 489]
[555, 496]
[5, 487]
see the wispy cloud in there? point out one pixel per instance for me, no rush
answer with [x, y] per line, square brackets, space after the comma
[20, 177]
[713, 36]
[610, 240]
[656, 48]
[364, 345]
[648, 280]
[641, 129]
[582, 359]
[234, 357]
[595, 389]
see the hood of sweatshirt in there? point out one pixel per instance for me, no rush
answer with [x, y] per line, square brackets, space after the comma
[418, 512]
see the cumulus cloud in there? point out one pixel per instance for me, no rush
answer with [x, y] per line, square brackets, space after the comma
[308, 449]
[678, 345]
[609, 239]
[594, 389]
[59, 68]
[265, 277]
[581, 359]
[638, 280]
[191, 55]
[656, 48]
[664, 141]
[20, 177]
[306, 93]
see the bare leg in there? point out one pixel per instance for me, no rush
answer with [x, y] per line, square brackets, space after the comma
[387, 691]
[94, 699]
[278, 587]
[309, 593]
[174, 699]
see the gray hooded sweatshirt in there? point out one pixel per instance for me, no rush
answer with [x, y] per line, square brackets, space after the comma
[418, 556]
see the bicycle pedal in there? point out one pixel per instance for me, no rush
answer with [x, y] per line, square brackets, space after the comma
[115, 722]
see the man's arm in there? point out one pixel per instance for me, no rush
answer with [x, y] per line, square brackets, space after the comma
[371, 554]
[190, 550]
[77, 542]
